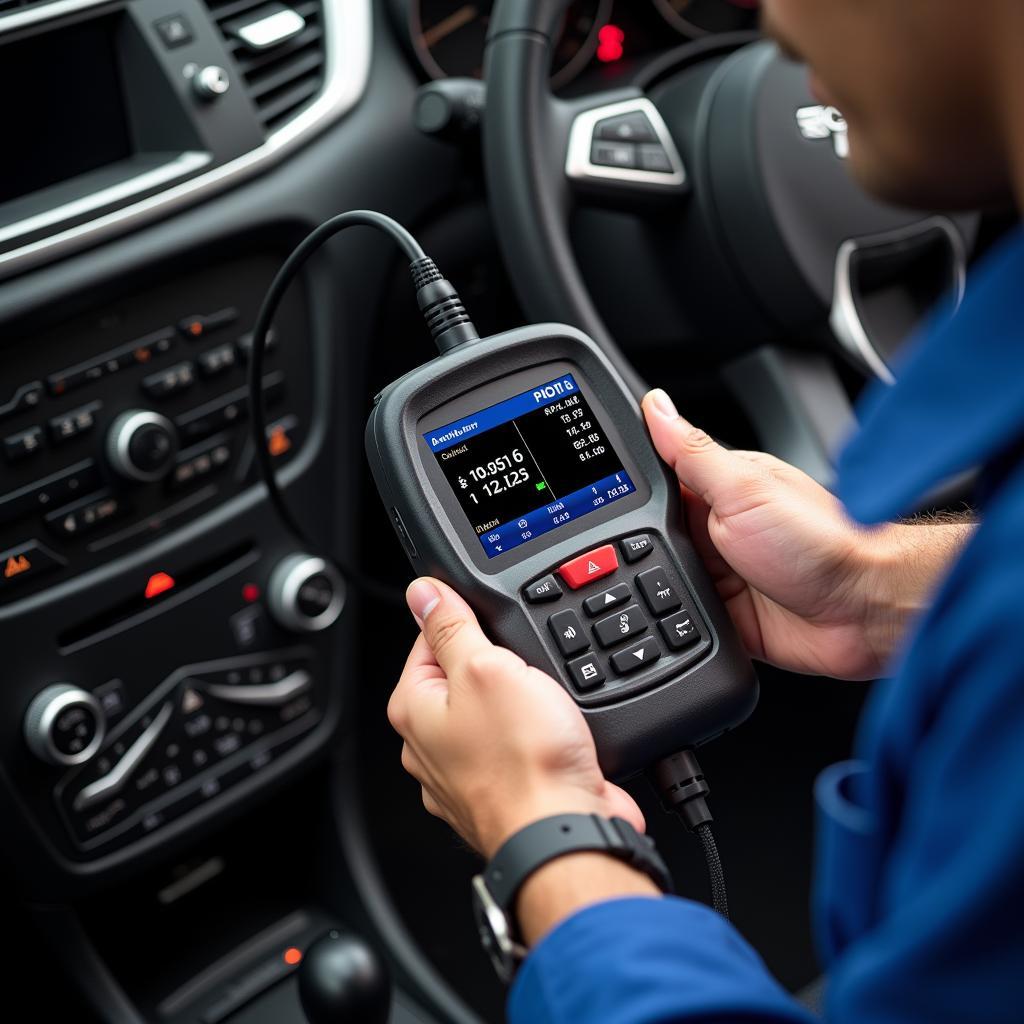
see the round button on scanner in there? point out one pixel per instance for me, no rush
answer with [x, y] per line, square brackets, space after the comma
[305, 593]
[64, 725]
[141, 445]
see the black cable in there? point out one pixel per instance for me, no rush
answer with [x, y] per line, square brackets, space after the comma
[719, 897]
[684, 790]
[450, 326]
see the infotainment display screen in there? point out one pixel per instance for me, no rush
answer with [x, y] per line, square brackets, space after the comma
[63, 112]
[529, 464]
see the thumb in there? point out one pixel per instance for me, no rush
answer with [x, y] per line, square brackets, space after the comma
[448, 623]
[701, 463]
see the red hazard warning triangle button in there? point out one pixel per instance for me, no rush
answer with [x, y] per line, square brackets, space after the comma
[594, 565]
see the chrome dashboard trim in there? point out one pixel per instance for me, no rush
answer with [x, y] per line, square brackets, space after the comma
[348, 31]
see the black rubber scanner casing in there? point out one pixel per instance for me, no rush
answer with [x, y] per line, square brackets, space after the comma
[700, 703]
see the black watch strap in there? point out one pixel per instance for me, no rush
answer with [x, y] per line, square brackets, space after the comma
[545, 840]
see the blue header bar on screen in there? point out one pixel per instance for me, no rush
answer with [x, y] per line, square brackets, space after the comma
[462, 430]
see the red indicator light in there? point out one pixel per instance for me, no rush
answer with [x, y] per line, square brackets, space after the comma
[610, 39]
[159, 583]
[292, 956]
[250, 593]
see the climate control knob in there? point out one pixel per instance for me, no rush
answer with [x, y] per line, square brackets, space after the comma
[64, 725]
[305, 593]
[141, 445]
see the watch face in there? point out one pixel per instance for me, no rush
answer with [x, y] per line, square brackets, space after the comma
[495, 934]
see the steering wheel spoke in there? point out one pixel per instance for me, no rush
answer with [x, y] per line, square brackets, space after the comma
[621, 146]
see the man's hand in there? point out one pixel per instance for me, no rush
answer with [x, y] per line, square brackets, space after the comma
[808, 589]
[494, 743]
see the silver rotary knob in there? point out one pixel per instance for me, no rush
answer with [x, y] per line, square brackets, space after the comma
[141, 445]
[305, 593]
[210, 82]
[64, 725]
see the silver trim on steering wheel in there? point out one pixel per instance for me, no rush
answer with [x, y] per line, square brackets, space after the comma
[580, 167]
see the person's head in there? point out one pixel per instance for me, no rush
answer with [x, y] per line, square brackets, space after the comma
[926, 88]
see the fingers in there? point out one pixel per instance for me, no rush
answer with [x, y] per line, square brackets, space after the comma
[701, 464]
[449, 626]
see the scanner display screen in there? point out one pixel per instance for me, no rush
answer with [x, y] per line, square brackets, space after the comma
[530, 464]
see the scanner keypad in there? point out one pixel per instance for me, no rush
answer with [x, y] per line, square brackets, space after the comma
[628, 627]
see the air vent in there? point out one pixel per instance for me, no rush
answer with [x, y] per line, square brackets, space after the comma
[281, 78]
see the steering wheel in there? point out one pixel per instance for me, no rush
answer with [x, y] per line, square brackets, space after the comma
[735, 178]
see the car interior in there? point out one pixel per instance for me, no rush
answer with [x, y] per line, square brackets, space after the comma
[198, 779]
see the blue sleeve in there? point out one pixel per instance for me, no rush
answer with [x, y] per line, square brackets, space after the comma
[648, 961]
[948, 944]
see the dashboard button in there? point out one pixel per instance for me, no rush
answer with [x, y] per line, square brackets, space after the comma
[658, 590]
[216, 360]
[86, 515]
[586, 673]
[26, 561]
[25, 397]
[568, 632]
[624, 625]
[170, 381]
[245, 344]
[635, 548]
[71, 424]
[634, 658]
[174, 31]
[679, 630]
[24, 443]
[594, 565]
[198, 326]
[543, 590]
[609, 599]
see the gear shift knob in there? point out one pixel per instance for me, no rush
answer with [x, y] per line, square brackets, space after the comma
[342, 980]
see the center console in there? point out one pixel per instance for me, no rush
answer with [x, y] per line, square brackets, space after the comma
[166, 650]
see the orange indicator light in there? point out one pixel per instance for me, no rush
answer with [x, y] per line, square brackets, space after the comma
[292, 956]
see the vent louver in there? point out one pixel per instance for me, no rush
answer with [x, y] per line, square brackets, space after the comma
[284, 79]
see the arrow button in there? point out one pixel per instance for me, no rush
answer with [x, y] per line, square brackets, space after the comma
[607, 599]
[634, 658]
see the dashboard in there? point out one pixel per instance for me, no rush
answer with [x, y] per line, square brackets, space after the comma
[598, 39]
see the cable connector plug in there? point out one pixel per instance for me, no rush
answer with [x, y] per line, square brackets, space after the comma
[683, 788]
[450, 325]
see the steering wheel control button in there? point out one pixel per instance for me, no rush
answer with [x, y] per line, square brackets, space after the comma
[542, 591]
[589, 568]
[305, 593]
[607, 600]
[141, 445]
[64, 725]
[614, 154]
[658, 590]
[26, 562]
[635, 548]
[624, 625]
[634, 127]
[569, 633]
[586, 673]
[634, 658]
[24, 443]
[679, 630]
[654, 158]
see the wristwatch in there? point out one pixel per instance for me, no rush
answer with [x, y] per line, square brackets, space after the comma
[495, 890]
